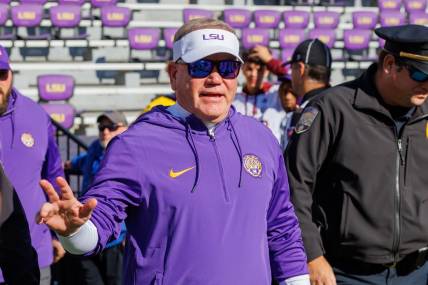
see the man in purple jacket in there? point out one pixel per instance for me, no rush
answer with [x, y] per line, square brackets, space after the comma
[202, 188]
[29, 153]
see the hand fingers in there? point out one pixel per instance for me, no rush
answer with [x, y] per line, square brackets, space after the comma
[49, 190]
[67, 193]
[46, 211]
[87, 208]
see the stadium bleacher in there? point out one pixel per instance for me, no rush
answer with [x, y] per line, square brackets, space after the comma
[116, 52]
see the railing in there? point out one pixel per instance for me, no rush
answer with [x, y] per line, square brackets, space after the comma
[69, 146]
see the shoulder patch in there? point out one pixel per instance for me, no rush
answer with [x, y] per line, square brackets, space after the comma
[306, 119]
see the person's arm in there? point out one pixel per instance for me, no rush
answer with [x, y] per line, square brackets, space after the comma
[287, 254]
[274, 65]
[305, 155]
[52, 166]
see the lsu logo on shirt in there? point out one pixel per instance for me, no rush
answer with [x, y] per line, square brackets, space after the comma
[252, 165]
[27, 139]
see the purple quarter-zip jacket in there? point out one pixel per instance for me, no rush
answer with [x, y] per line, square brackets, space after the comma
[200, 208]
[29, 154]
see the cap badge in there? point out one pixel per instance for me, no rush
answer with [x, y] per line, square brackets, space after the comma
[27, 139]
[252, 165]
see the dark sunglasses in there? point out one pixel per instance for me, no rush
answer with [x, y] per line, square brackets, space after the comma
[110, 127]
[4, 74]
[417, 75]
[228, 69]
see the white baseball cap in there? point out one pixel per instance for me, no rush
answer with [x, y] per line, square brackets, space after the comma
[204, 42]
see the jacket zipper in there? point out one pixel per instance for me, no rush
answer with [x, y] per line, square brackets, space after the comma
[396, 238]
[220, 167]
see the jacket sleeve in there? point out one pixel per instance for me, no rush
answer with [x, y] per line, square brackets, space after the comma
[305, 155]
[116, 187]
[276, 67]
[52, 166]
[78, 161]
[287, 254]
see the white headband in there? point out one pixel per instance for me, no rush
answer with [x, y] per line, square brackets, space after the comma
[202, 43]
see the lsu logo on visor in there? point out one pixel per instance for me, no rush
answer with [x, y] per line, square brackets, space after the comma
[252, 165]
[305, 122]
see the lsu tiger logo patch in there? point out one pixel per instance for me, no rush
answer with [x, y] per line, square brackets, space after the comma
[252, 165]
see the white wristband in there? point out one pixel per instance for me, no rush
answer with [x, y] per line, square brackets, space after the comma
[84, 240]
[297, 280]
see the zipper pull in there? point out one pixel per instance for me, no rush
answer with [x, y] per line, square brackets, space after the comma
[211, 133]
[400, 150]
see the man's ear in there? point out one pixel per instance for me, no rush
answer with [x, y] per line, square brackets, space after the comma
[302, 68]
[388, 64]
[172, 72]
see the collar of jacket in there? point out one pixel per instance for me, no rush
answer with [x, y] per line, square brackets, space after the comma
[309, 95]
[367, 96]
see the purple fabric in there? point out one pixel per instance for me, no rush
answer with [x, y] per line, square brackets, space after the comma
[237, 18]
[290, 38]
[114, 16]
[65, 16]
[237, 225]
[168, 36]
[296, 19]
[55, 87]
[4, 13]
[364, 19]
[267, 19]
[356, 39]
[143, 38]
[27, 15]
[391, 18]
[5, 1]
[102, 3]
[327, 36]
[326, 19]
[190, 13]
[413, 6]
[389, 5]
[252, 37]
[61, 112]
[30, 153]
[418, 18]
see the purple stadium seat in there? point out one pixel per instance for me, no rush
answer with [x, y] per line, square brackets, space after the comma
[418, 18]
[102, 3]
[253, 37]
[6, 33]
[326, 19]
[40, 2]
[55, 87]
[190, 14]
[143, 38]
[62, 113]
[267, 19]
[71, 2]
[389, 5]
[356, 44]
[237, 18]
[30, 16]
[290, 38]
[296, 19]
[5, 1]
[391, 18]
[67, 17]
[114, 16]
[168, 36]
[286, 54]
[364, 19]
[327, 36]
[413, 6]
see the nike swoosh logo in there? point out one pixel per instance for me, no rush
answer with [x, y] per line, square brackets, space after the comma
[174, 174]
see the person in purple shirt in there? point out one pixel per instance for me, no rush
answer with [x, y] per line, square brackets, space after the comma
[202, 188]
[29, 153]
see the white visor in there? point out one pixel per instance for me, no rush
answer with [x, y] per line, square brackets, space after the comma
[202, 43]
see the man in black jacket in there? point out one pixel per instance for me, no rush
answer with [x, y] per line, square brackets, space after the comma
[357, 170]
[18, 259]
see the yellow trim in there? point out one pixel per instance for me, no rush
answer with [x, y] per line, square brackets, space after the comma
[174, 174]
[426, 131]
[413, 56]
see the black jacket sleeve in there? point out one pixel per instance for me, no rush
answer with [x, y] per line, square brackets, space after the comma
[305, 155]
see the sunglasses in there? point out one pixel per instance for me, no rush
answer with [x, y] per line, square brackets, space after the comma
[110, 127]
[417, 75]
[228, 69]
[4, 74]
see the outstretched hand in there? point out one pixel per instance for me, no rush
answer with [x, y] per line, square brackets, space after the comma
[64, 214]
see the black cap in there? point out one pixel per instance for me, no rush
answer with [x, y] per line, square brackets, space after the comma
[312, 52]
[409, 42]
